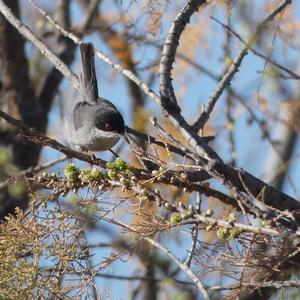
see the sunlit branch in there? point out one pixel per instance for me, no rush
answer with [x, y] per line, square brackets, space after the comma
[234, 68]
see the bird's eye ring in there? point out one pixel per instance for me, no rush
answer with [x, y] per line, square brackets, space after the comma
[107, 127]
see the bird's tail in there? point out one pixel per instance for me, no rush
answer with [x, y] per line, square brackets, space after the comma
[88, 79]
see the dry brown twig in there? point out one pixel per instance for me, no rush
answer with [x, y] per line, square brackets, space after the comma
[167, 252]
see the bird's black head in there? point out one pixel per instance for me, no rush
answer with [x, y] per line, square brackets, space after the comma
[110, 120]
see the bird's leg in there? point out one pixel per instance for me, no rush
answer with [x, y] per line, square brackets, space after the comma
[92, 156]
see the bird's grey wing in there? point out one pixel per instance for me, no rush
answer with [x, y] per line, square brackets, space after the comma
[82, 113]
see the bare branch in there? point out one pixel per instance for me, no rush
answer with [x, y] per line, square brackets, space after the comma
[167, 252]
[247, 228]
[168, 177]
[194, 233]
[101, 55]
[32, 170]
[169, 52]
[233, 69]
[133, 278]
[275, 284]
[293, 75]
[168, 100]
[152, 140]
[45, 50]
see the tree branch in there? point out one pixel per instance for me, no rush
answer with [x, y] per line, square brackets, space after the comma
[167, 252]
[40, 139]
[169, 101]
[233, 69]
[257, 53]
[45, 50]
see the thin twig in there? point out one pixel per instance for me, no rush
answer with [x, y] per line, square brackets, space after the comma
[233, 69]
[257, 53]
[153, 140]
[101, 55]
[194, 233]
[230, 120]
[64, 32]
[261, 123]
[45, 50]
[166, 251]
[91, 10]
[121, 277]
[246, 228]
[31, 170]
[275, 284]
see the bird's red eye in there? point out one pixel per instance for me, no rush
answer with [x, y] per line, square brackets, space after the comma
[107, 127]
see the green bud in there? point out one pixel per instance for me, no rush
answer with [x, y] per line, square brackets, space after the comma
[128, 172]
[17, 189]
[175, 218]
[187, 215]
[96, 174]
[85, 174]
[109, 165]
[72, 172]
[5, 156]
[90, 209]
[235, 233]
[120, 163]
[111, 174]
[145, 192]
[124, 181]
[223, 233]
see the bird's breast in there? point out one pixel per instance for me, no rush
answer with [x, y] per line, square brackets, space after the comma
[94, 139]
[102, 143]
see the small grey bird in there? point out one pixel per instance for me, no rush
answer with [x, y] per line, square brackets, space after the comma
[95, 123]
